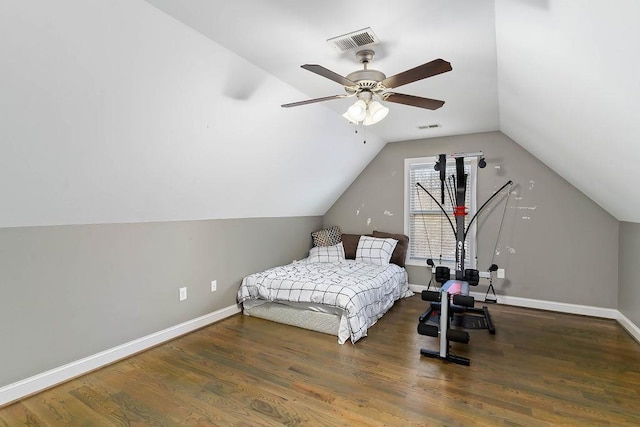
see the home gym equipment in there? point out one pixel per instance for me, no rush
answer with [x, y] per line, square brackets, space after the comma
[445, 333]
[453, 305]
[494, 298]
[432, 265]
[470, 317]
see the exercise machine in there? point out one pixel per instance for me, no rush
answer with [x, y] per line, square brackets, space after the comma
[468, 317]
[453, 305]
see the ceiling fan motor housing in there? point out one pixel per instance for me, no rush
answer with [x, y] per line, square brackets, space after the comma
[366, 79]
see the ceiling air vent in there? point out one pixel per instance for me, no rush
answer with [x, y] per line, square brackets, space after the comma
[431, 126]
[353, 40]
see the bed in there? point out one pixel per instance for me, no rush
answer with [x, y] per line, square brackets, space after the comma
[340, 289]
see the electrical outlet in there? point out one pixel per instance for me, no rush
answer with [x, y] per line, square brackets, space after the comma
[183, 293]
[500, 273]
[214, 285]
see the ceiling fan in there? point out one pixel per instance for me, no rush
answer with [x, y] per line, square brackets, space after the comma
[367, 84]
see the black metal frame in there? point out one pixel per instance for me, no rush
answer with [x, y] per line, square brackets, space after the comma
[444, 333]
[460, 232]
[460, 213]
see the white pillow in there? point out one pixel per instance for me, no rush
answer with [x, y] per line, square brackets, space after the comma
[333, 253]
[374, 250]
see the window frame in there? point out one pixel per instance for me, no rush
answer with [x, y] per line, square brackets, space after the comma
[472, 184]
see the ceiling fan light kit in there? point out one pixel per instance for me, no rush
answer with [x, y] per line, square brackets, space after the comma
[377, 112]
[358, 111]
[366, 84]
[366, 113]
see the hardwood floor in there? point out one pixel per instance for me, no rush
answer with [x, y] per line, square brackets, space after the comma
[540, 369]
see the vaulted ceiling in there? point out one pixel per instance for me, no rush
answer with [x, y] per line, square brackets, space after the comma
[558, 77]
[160, 110]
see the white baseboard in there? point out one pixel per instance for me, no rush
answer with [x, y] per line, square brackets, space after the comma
[630, 327]
[561, 307]
[586, 310]
[18, 390]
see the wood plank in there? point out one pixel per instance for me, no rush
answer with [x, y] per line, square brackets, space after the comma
[540, 369]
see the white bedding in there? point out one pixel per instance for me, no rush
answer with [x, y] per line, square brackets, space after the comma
[363, 291]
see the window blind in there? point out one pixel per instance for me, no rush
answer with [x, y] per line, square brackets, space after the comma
[430, 233]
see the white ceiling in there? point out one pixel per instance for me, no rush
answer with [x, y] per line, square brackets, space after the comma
[115, 112]
[558, 77]
[568, 92]
[279, 36]
[157, 110]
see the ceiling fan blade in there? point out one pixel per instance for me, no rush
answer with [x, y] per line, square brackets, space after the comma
[414, 101]
[435, 67]
[324, 72]
[311, 101]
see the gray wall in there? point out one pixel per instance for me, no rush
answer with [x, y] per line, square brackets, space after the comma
[629, 290]
[72, 291]
[556, 244]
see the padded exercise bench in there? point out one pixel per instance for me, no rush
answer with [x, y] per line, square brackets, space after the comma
[445, 333]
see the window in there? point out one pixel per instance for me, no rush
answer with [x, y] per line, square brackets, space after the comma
[429, 231]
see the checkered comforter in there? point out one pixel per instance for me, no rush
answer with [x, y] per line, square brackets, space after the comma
[364, 291]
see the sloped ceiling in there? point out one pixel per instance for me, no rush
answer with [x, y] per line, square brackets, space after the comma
[115, 112]
[558, 77]
[160, 110]
[569, 90]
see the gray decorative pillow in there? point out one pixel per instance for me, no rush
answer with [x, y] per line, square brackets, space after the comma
[328, 237]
